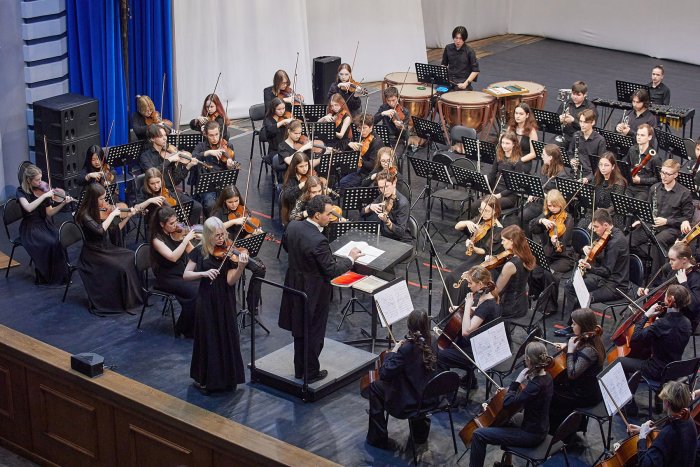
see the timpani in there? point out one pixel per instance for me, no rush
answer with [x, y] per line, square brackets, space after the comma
[535, 96]
[472, 109]
[416, 98]
[397, 79]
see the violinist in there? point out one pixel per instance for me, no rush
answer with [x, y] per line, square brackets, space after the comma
[312, 188]
[608, 179]
[484, 239]
[212, 110]
[277, 119]
[282, 89]
[460, 60]
[169, 249]
[672, 209]
[511, 284]
[145, 116]
[386, 160]
[578, 385]
[37, 231]
[153, 195]
[391, 208]
[608, 271]
[404, 374]
[530, 429]
[348, 89]
[294, 182]
[218, 154]
[174, 171]
[393, 115]
[95, 168]
[554, 229]
[552, 167]
[646, 177]
[480, 307]
[665, 338]
[339, 114]
[508, 157]
[523, 124]
[368, 148]
[584, 143]
[293, 143]
[675, 443]
[108, 272]
[217, 364]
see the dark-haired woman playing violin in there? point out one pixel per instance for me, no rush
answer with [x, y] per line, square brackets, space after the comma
[217, 364]
[95, 169]
[368, 148]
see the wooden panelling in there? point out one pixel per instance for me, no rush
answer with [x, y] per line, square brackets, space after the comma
[13, 403]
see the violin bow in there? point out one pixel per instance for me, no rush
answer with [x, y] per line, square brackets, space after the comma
[617, 407]
[162, 98]
[388, 326]
[177, 197]
[492, 195]
[104, 161]
[440, 267]
[352, 67]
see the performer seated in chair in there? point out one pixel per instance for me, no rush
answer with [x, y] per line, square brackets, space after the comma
[646, 178]
[404, 374]
[218, 154]
[313, 188]
[391, 208]
[388, 115]
[570, 110]
[371, 143]
[585, 143]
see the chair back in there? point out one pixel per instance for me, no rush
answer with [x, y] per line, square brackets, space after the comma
[138, 183]
[633, 381]
[517, 358]
[11, 213]
[442, 157]
[464, 163]
[579, 239]
[412, 225]
[442, 384]
[142, 258]
[459, 131]
[681, 369]
[20, 171]
[543, 298]
[404, 188]
[69, 234]
[636, 270]
[256, 113]
[567, 428]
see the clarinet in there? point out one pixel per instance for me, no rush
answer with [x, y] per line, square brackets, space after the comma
[578, 172]
[654, 206]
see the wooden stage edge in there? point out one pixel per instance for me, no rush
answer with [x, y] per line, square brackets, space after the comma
[53, 415]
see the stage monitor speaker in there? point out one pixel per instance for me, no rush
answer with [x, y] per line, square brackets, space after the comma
[66, 118]
[325, 73]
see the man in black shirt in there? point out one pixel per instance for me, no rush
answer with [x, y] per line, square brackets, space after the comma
[646, 177]
[659, 93]
[672, 208]
[588, 143]
[395, 221]
[631, 119]
[570, 110]
[460, 60]
[609, 270]
[387, 115]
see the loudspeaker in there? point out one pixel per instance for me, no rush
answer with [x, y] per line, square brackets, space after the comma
[66, 118]
[325, 73]
[65, 160]
[69, 185]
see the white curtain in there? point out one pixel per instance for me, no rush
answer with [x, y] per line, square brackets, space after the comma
[247, 41]
[482, 19]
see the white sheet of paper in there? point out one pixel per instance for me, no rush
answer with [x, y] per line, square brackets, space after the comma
[616, 383]
[369, 284]
[490, 347]
[582, 293]
[394, 302]
[370, 253]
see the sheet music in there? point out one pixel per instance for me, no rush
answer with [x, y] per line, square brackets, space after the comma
[394, 302]
[616, 382]
[369, 284]
[370, 253]
[490, 347]
[582, 293]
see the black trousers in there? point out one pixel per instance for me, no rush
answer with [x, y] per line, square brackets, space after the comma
[317, 333]
[377, 433]
[640, 243]
[601, 291]
[258, 269]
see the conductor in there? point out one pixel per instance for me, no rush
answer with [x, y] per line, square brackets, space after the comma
[311, 267]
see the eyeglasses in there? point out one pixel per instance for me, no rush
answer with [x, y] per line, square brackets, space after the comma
[219, 235]
[668, 174]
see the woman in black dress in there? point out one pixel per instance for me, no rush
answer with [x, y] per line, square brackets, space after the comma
[523, 124]
[290, 146]
[343, 86]
[552, 168]
[37, 232]
[608, 179]
[108, 272]
[339, 114]
[508, 157]
[212, 110]
[168, 260]
[92, 169]
[217, 364]
[275, 123]
[511, 284]
[294, 183]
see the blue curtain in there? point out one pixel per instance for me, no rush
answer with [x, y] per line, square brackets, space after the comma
[151, 53]
[95, 62]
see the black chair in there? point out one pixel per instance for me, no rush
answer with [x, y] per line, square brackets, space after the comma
[69, 234]
[687, 369]
[11, 213]
[580, 238]
[636, 278]
[507, 367]
[550, 446]
[599, 413]
[535, 316]
[403, 187]
[142, 260]
[412, 225]
[450, 193]
[696, 333]
[439, 395]
[138, 187]
[256, 113]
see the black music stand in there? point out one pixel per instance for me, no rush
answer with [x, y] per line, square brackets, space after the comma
[619, 144]
[625, 89]
[472, 180]
[538, 146]
[183, 211]
[538, 253]
[324, 131]
[356, 198]
[430, 170]
[672, 144]
[429, 130]
[524, 185]
[379, 130]
[479, 151]
[569, 188]
[212, 182]
[312, 112]
[343, 163]
[124, 155]
[186, 141]
[547, 121]
[433, 74]
[253, 245]
[641, 210]
[683, 178]
[370, 230]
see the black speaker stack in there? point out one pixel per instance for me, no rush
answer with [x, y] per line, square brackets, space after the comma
[325, 73]
[71, 125]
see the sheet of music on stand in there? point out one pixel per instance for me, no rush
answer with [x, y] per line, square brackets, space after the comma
[490, 346]
[394, 303]
[370, 253]
[614, 380]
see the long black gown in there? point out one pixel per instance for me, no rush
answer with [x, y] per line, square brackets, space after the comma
[216, 355]
[169, 279]
[108, 272]
[39, 237]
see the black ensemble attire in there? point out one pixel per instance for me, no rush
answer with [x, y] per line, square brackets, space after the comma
[514, 296]
[647, 175]
[312, 265]
[574, 111]
[389, 123]
[460, 63]
[672, 448]
[216, 355]
[403, 377]
[169, 279]
[138, 124]
[366, 164]
[208, 200]
[353, 102]
[533, 208]
[659, 95]
[508, 198]
[399, 218]
[593, 146]
[39, 237]
[108, 271]
[223, 129]
[603, 200]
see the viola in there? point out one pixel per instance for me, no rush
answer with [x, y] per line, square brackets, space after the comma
[597, 247]
[498, 260]
[251, 223]
[559, 229]
[372, 375]
[168, 197]
[453, 327]
[480, 232]
[59, 195]
[649, 155]
[337, 214]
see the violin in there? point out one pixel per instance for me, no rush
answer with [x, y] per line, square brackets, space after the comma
[155, 118]
[108, 174]
[453, 327]
[364, 147]
[182, 230]
[227, 250]
[287, 114]
[168, 197]
[690, 236]
[354, 87]
[59, 195]
[637, 168]
[480, 232]
[498, 260]
[251, 223]
[337, 214]
[597, 247]
[399, 116]
[317, 147]
[184, 155]
[558, 230]
[298, 100]
[124, 211]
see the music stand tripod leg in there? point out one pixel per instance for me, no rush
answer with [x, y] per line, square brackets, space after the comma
[246, 312]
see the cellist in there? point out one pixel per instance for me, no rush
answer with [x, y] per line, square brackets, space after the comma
[534, 397]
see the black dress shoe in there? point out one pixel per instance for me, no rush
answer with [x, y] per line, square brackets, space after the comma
[566, 332]
[319, 376]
